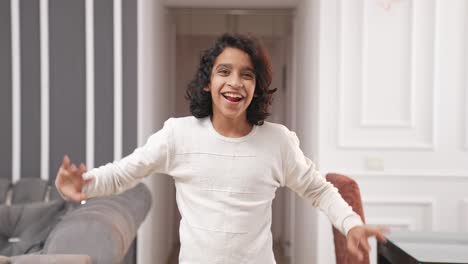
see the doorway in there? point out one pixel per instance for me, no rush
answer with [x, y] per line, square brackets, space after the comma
[196, 30]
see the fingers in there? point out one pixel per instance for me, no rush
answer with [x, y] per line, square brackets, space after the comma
[365, 244]
[73, 168]
[353, 248]
[67, 165]
[66, 162]
[359, 247]
[62, 172]
[378, 233]
[381, 238]
[358, 243]
[82, 168]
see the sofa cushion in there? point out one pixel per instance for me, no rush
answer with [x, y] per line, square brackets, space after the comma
[25, 227]
[28, 190]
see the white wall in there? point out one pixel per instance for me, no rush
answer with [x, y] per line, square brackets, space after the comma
[380, 94]
[155, 237]
[393, 110]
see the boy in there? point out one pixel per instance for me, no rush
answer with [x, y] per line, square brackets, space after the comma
[227, 163]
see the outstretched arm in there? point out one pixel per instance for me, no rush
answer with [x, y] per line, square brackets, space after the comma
[77, 184]
[303, 178]
[120, 175]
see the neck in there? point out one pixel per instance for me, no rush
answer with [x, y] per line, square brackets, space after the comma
[231, 127]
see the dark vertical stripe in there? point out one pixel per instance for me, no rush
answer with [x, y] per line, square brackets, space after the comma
[130, 89]
[30, 89]
[104, 82]
[67, 82]
[130, 70]
[5, 90]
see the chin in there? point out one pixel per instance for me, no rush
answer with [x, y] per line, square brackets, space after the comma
[231, 114]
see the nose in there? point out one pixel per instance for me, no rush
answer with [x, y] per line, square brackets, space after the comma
[235, 81]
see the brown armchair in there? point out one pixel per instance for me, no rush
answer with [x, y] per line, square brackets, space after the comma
[349, 189]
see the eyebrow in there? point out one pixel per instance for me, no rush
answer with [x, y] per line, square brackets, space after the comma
[227, 65]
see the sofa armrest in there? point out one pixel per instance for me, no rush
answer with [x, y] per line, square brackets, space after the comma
[103, 228]
[48, 259]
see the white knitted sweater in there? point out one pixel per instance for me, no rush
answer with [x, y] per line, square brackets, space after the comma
[225, 186]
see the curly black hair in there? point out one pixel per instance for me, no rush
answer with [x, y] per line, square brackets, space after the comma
[200, 100]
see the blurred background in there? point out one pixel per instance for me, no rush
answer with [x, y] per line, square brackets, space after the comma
[375, 89]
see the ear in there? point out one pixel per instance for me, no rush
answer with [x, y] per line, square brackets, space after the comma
[207, 88]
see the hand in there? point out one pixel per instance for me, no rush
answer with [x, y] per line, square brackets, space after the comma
[70, 182]
[357, 239]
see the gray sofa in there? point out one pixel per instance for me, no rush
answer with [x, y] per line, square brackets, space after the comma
[37, 226]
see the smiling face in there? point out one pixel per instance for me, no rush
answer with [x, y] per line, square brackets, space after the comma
[232, 84]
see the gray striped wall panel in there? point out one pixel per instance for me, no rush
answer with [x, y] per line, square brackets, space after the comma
[30, 89]
[5, 91]
[104, 82]
[130, 75]
[67, 82]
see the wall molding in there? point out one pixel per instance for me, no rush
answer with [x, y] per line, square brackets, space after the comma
[367, 123]
[421, 175]
[384, 146]
[344, 143]
[399, 223]
[419, 201]
[405, 200]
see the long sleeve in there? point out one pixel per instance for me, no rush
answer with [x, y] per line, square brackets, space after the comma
[118, 176]
[302, 177]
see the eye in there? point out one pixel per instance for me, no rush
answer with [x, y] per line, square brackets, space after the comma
[223, 72]
[248, 76]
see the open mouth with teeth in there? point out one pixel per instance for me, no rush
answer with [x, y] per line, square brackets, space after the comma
[233, 97]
